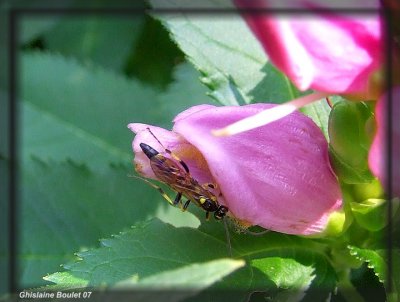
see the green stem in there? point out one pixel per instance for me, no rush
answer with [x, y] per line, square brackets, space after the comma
[347, 289]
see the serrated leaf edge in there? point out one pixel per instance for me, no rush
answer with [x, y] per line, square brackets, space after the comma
[354, 253]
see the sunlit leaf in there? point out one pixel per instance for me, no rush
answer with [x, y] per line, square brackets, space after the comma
[152, 248]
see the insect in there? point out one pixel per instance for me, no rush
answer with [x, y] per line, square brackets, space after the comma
[178, 178]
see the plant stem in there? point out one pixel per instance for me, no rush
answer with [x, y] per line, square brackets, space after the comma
[347, 289]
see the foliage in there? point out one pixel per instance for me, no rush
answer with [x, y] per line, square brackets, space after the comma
[82, 80]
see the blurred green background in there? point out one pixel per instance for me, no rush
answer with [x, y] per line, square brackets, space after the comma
[82, 78]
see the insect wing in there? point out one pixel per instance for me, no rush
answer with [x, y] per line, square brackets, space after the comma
[166, 170]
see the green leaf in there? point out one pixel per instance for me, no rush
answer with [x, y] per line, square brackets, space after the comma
[93, 103]
[319, 113]
[218, 47]
[155, 248]
[374, 258]
[270, 260]
[298, 274]
[181, 283]
[104, 40]
[223, 89]
[350, 141]
[377, 260]
[47, 136]
[154, 55]
[228, 55]
[81, 113]
[371, 213]
[395, 293]
[147, 249]
[65, 208]
[195, 276]
[185, 91]
[285, 273]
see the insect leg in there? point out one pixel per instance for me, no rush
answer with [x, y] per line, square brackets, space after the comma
[228, 238]
[185, 206]
[207, 216]
[174, 156]
[163, 194]
[177, 198]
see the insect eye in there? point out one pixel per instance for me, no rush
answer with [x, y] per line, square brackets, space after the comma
[221, 212]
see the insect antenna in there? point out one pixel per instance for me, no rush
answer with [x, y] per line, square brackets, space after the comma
[174, 156]
[152, 134]
[228, 238]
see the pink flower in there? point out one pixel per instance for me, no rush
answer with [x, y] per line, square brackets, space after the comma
[277, 177]
[377, 159]
[329, 52]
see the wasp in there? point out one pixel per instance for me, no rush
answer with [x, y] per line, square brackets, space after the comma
[179, 179]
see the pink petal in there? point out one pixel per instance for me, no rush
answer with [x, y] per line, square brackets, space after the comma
[326, 52]
[276, 176]
[377, 158]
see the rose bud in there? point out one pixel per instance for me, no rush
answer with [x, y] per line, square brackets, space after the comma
[276, 176]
